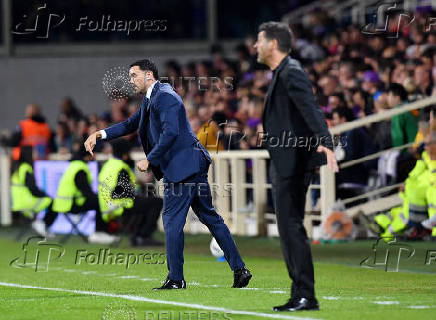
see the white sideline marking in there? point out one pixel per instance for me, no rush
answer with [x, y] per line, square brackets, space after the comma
[330, 298]
[148, 279]
[144, 299]
[386, 302]
[418, 307]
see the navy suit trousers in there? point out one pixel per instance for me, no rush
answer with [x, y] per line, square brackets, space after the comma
[178, 197]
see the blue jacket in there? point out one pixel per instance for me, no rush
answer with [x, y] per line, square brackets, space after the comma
[172, 148]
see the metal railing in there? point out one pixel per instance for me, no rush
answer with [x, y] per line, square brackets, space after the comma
[327, 177]
[229, 181]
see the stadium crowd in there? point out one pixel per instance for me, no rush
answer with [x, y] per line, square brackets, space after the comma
[353, 75]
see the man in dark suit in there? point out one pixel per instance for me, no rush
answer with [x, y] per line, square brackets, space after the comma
[174, 153]
[298, 141]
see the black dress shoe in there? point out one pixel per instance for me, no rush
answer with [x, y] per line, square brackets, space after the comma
[298, 304]
[241, 278]
[172, 284]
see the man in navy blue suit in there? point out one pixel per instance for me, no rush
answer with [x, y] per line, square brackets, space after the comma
[174, 153]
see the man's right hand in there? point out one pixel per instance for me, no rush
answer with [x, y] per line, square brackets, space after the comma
[91, 142]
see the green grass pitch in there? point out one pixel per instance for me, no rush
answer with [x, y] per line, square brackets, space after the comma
[345, 290]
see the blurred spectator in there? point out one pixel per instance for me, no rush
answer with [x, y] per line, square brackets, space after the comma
[371, 82]
[362, 104]
[423, 80]
[69, 110]
[347, 77]
[210, 133]
[403, 126]
[63, 139]
[381, 131]
[33, 131]
[356, 144]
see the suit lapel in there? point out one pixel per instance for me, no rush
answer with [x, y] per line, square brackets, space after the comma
[146, 105]
[154, 93]
[148, 110]
[271, 87]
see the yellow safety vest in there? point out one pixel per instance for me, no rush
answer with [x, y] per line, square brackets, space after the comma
[68, 193]
[22, 198]
[431, 194]
[107, 182]
[414, 198]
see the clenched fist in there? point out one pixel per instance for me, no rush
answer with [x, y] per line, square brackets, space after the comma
[142, 165]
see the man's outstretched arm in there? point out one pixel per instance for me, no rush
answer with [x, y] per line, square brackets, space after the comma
[117, 130]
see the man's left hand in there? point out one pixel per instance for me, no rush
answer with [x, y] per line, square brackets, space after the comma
[331, 159]
[142, 165]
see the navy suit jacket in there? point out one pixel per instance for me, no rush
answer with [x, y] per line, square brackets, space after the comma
[172, 148]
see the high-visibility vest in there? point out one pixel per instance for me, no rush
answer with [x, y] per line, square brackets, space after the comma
[22, 198]
[35, 134]
[414, 198]
[107, 182]
[431, 194]
[68, 193]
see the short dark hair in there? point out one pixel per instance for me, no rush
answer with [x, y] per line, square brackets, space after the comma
[147, 65]
[398, 91]
[279, 31]
[344, 112]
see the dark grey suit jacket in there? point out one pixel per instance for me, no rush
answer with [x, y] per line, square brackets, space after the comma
[293, 123]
